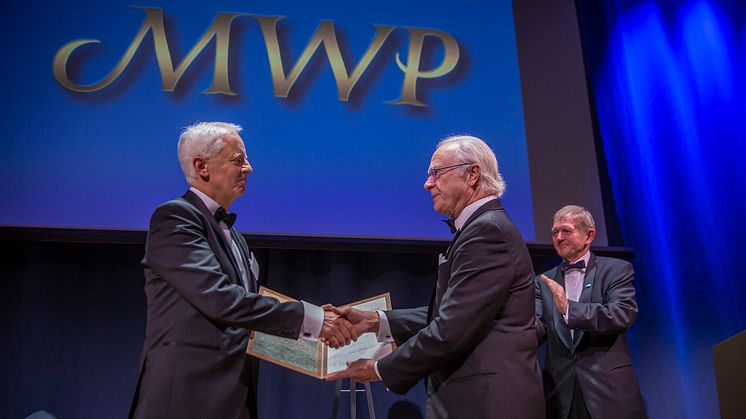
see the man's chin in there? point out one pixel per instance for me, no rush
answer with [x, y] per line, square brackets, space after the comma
[440, 210]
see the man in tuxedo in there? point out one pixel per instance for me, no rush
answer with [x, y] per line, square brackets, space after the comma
[584, 307]
[201, 284]
[475, 343]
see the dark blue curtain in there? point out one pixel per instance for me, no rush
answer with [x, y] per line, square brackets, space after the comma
[667, 78]
[74, 322]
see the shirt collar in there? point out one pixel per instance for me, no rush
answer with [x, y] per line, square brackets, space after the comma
[585, 258]
[210, 203]
[467, 212]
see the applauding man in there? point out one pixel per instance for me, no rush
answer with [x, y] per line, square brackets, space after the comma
[584, 306]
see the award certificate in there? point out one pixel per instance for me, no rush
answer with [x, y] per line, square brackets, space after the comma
[315, 358]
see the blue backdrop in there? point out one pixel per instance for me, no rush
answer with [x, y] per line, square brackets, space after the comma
[669, 87]
[105, 159]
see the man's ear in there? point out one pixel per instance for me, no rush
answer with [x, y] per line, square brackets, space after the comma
[473, 174]
[200, 167]
[591, 235]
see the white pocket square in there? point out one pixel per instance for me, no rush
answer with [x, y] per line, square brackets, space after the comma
[254, 266]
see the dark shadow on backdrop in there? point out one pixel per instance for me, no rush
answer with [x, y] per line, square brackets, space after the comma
[404, 410]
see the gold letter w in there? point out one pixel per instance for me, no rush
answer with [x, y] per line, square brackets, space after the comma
[324, 35]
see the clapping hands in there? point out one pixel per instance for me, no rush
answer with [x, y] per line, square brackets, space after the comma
[558, 293]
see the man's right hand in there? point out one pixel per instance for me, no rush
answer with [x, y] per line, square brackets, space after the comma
[363, 321]
[336, 330]
[558, 293]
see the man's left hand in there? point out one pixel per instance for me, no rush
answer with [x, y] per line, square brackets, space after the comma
[558, 292]
[361, 370]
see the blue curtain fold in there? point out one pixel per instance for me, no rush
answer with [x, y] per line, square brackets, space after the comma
[669, 86]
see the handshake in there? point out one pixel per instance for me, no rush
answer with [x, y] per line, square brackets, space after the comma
[343, 325]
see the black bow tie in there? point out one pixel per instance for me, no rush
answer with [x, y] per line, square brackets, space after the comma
[451, 224]
[564, 266]
[221, 215]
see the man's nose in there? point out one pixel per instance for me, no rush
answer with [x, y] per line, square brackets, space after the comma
[429, 183]
[247, 168]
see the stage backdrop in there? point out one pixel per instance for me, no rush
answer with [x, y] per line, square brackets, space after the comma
[669, 86]
[342, 107]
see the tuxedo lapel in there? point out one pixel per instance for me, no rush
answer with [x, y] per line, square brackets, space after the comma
[212, 224]
[590, 275]
[441, 281]
[444, 268]
[445, 262]
[494, 204]
[431, 306]
[248, 258]
[447, 253]
[559, 321]
[586, 293]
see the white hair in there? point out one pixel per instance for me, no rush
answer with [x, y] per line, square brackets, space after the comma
[470, 149]
[582, 218]
[205, 140]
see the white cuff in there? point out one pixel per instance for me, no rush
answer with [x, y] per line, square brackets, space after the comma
[375, 368]
[384, 330]
[313, 320]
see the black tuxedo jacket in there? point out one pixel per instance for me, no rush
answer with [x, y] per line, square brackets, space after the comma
[598, 355]
[476, 342]
[193, 363]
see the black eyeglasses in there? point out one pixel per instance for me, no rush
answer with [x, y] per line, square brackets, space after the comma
[437, 171]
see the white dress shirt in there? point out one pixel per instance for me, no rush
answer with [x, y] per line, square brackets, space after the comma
[574, 279]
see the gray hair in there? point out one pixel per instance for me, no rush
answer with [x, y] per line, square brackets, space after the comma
[582, 217]
[205, 140]
[469, 149]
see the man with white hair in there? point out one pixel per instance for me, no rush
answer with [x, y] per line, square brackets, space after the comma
[475, 343]
[200, 283]
[584, 306]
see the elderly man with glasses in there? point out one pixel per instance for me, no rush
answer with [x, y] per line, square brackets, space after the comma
[475, 343]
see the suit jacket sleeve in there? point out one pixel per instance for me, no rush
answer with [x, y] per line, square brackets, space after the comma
[405, 323]
[617, 311]
[480, 278]
[179, 251]
[541, 326]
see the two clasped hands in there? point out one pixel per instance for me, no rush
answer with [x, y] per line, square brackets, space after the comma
[342, 325]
